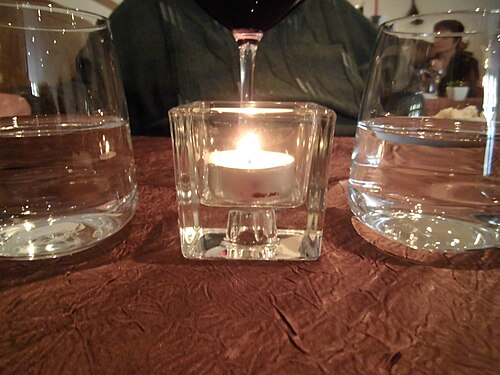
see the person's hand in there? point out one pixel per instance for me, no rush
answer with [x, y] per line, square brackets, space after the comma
[13, 105]
[436, 65]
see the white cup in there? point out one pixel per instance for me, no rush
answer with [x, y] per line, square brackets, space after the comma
[457, 92]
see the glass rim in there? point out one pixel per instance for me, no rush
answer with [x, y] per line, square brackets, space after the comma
[268, 108]
[58, 10]
[387, 25]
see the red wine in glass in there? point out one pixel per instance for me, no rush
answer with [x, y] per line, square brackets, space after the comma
[248, 20]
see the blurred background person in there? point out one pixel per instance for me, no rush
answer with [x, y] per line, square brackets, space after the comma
[451, 62]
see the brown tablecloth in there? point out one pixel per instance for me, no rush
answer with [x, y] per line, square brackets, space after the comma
[133, 305]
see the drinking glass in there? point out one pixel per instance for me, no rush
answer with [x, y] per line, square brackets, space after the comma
[66, 163]
[425, 168]
[248, 20]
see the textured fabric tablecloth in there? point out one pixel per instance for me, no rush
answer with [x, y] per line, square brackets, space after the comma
[133, 305]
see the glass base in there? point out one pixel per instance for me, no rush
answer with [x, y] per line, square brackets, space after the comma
[212, 244]
[53, 237]
[433, 233]
[64, 236]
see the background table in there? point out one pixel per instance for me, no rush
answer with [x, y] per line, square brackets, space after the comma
[433, 106]
[134, 306]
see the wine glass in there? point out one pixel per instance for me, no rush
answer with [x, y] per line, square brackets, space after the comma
[432, 76]
[425, 170]
[248, 20]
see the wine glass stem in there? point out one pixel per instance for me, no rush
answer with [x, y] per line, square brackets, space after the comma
[248, 50]
[247, 45]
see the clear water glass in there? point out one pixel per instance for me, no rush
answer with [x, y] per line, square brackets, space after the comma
[66, 163]
[426, 166]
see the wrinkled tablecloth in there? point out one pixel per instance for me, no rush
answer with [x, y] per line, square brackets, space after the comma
[134, 305]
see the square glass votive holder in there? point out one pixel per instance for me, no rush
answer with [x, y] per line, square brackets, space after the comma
[251, 178]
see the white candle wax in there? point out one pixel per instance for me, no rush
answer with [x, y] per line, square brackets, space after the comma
[236, 175]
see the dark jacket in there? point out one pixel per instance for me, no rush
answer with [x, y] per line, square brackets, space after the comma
[171, 52]
[462, 67]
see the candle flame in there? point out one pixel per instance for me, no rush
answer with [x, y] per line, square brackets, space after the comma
[249, 143]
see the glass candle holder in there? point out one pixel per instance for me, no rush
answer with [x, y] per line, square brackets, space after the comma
[251, 178]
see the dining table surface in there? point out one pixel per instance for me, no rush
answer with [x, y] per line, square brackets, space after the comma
[134, 305]
[433, 106]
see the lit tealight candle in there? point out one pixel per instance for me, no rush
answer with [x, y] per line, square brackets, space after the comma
[249, 173]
